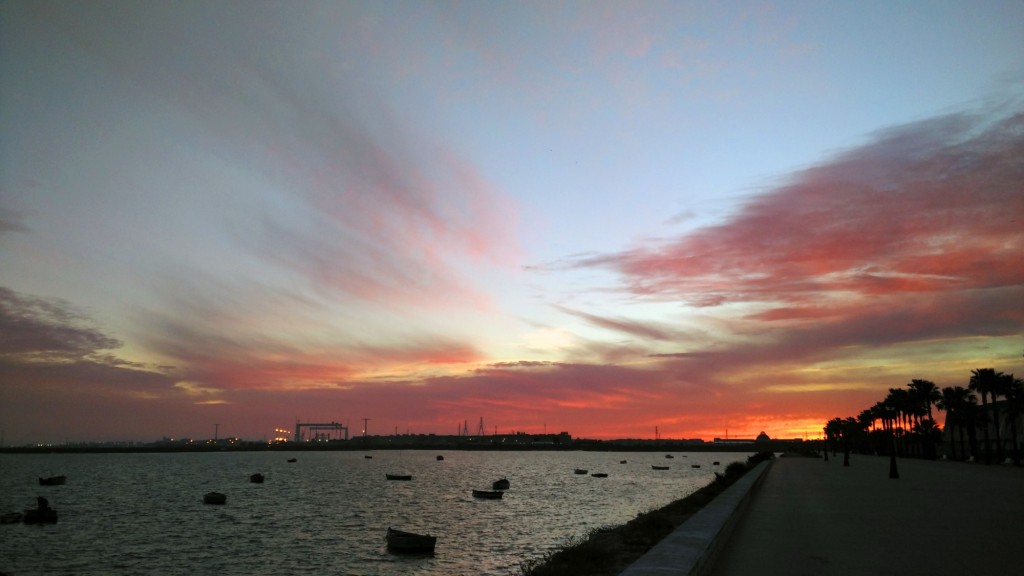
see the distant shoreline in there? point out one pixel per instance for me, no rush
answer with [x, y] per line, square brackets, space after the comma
[391, 443]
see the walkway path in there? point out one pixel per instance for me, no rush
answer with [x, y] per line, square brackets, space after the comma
[811, 517]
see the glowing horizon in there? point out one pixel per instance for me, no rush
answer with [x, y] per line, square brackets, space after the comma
[581, 217]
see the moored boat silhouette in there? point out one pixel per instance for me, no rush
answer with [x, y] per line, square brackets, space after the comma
[410, 542]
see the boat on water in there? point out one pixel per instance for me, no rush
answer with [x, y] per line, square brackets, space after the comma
[659, 467]
[41, 514]
[502, 484]
[410, 542]
[716, 462]
[622, 461]
[53, 481]
[215, 498]
[398, 476]
[694, 465]
[669, 456]
[599, 475]
[257, 478]
[293, 459]
[579, 471]
[368, 457]
[488, 494]
[440, 458]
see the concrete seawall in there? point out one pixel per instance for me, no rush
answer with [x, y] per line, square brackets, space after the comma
[691, 548]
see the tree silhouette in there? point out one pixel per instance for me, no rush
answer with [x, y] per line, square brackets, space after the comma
[833, 432]
[954, 400]
[1000, 387]
[850, 429]
[925, 392]
[1014, 408]
[909, 428]
[971, 416]
[982, 381]
[898, 402]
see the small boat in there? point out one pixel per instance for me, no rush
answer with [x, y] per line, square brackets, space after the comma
[716, 463]
[488, 494]
[293, 459]
[669, 456]
[599, 475]
[257, 478]
[368, 457]
[52, 481]
[622, 461]
[579, 471]
[11, 518]
[502, 484]
[215, 498]
[398, 476]
[694, 465]
[409, 542]
[40, 516]
[659, 467]
[439, 457]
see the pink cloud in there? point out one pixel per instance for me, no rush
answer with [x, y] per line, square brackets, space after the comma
[931, 207]
[647, 330]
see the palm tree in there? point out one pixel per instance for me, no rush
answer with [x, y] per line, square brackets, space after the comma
[1000, 387]
[952, 400]
[982, 380]
[865, 427]
[850, 429]
[1014, 408]
[926, 392]
[833, 431]
[888, 420]
[880, 412]
[970, 417]
[898, 400]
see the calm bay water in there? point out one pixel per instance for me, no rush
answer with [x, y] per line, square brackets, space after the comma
[325, 514]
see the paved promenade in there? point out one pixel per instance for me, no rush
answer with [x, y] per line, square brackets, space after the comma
[811, 517]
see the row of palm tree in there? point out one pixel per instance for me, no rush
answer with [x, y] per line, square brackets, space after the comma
[903, 423]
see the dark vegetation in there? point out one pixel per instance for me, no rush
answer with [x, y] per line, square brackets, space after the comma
[903, 425]
[608, 551]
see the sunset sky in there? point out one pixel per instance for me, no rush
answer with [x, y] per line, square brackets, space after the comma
[713, 218]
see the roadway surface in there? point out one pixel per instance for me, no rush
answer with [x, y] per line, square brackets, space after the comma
[811, 517]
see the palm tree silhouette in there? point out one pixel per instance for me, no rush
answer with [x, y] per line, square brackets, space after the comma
[849, 428]
[908, 427]
[953, 401]
[1014, 408]
[971, 416]
[898, 400]
[833, 431]
[1000, 387]
[924, 393]
[982, 380]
